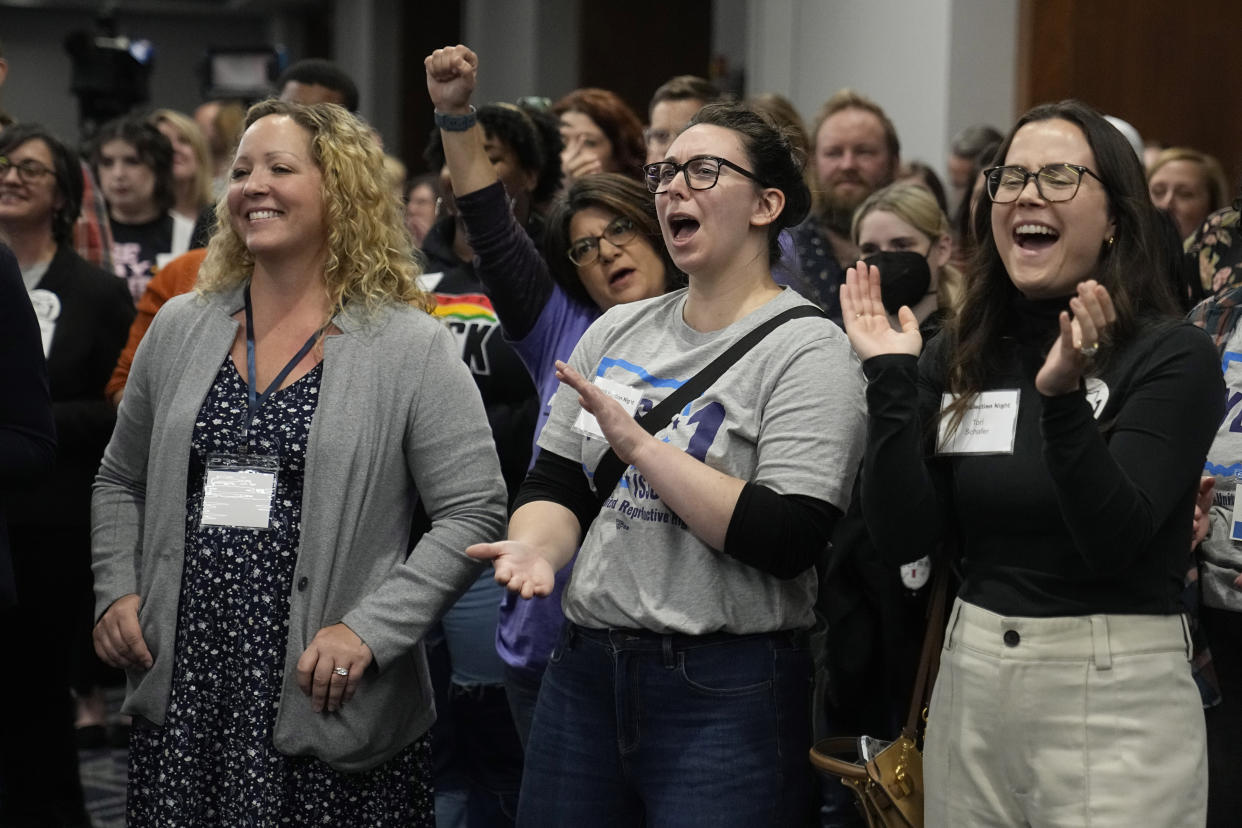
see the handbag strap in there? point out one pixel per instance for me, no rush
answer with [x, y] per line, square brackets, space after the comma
[929, 659]
[827, 755]
[610, 468]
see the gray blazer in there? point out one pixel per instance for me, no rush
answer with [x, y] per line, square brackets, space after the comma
[399, 419]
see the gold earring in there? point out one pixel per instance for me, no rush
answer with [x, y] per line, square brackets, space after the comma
[1111, 239]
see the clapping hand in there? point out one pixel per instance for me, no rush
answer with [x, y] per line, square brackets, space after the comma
[620, 428]
[1083, 327]
[867, 322]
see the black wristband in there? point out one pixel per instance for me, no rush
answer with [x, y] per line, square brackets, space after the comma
[456, 123]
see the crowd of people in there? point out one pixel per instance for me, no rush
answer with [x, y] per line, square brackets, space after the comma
[595, 471]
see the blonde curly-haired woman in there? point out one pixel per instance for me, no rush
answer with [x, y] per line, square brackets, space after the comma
[252, 514]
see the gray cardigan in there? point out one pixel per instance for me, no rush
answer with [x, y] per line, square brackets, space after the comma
[398, 419]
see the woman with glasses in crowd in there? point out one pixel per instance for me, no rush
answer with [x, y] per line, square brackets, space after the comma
[1056, 430]
[252, 516]
[602, 248]
[679, 692]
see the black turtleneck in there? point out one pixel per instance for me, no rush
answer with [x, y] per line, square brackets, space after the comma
[1088, 514]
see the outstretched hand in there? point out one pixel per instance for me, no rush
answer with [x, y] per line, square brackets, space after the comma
[866, 321]
[620, 428]
[1083, 327]
[451, 76]
[518, 566]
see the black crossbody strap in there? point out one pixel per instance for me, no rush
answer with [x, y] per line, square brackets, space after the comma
[610, 467]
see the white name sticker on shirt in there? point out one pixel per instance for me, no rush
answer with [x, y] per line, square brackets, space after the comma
[987, 427]
[624, 394]
[1097, 395]
[239, 494]
[47, 308]
[914, 575]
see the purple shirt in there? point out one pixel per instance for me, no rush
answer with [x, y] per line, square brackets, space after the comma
[542, 324]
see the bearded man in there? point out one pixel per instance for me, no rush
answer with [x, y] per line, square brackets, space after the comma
[856, 153]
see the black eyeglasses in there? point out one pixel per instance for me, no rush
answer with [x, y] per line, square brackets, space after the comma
[619, 232]
[28, 170]
[1054, 182]
[701, 173]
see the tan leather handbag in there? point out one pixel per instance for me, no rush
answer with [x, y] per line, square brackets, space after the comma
[888, 787]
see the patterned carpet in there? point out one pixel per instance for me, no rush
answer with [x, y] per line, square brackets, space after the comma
[103, 781]
[103, 777]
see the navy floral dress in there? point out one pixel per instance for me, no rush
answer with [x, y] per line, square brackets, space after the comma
[213, 762]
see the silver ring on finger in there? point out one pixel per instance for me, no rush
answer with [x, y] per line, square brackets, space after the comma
[341, 671]
[1089, 350]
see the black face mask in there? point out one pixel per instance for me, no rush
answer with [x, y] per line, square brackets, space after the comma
[904, 278]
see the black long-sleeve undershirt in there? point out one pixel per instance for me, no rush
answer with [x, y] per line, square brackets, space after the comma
[781, 535]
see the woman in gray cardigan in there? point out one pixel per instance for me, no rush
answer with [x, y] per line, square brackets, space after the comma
[250, 537]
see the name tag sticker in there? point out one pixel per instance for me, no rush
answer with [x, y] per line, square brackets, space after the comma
[915, 575]
[628, 397]
[988, 426]
[238, 491]
[47, 309]
[1097, 395]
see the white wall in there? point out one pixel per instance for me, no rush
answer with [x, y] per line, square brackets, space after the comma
[983, 64]
[526, 47]
[935, 66]
[365, 43]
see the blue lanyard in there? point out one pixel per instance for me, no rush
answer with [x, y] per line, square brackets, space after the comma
[255, 401]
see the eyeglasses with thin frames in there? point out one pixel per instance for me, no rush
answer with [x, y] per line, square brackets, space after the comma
[1053, 182]
[701, 173]
[619, 232]
[28, 171]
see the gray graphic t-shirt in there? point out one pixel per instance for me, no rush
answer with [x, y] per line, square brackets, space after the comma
[1221, 556]
[789, 415]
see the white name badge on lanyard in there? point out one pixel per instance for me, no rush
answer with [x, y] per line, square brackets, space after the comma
[628, 397]
[238, 491]
[988, 426]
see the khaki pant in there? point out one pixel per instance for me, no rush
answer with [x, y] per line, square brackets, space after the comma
[1073, 721]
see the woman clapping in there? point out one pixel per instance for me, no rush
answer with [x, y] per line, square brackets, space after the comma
[1056, 428]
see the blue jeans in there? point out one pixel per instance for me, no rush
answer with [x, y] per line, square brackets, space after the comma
[636, 728]
[522, 692]
[477, 755]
